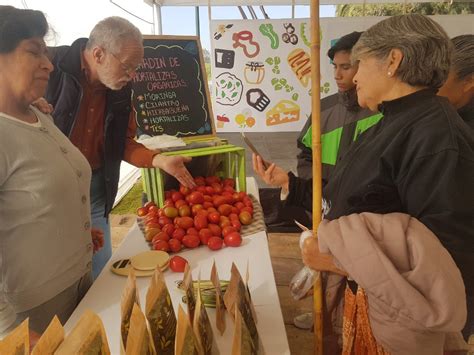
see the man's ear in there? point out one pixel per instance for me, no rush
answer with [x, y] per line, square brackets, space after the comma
[98, 54]
[394, 59]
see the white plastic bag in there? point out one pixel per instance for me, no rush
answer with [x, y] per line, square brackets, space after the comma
[302, 283]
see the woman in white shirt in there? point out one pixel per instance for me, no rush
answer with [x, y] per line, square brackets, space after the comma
[45, 235]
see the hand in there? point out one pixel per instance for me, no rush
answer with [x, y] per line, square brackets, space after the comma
[174, 165]
[316, 260]
[43, 105]
[34, 337]
[273, 176]
[97, 239]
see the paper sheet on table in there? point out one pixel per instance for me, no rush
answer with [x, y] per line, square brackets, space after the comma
[161, 142]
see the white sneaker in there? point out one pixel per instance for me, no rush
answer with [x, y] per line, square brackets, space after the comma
[304, 321]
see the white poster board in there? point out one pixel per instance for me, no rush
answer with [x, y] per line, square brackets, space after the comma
[261, 68]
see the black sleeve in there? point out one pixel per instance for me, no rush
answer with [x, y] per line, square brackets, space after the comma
[438, 190]
[300, 192]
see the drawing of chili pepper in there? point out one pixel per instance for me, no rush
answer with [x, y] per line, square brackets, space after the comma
[267, 30]
[246, 36]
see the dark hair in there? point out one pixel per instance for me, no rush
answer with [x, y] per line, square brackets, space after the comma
[17, 25]
[463, 56]
[345, 43]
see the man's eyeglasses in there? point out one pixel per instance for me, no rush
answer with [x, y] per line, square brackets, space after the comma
[126, 68]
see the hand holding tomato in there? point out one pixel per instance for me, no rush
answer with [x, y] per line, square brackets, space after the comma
[97, 236]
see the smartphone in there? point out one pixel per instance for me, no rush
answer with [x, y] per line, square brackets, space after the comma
[253, 149]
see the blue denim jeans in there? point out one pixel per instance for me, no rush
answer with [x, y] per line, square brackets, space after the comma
[100, 258]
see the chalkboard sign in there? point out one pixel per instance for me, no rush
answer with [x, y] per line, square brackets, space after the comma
[169, 92]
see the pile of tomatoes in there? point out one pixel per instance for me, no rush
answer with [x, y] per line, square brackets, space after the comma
[210, 214]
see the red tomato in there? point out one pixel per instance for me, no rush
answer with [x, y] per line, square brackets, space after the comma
[170, 212]
[153, 209]
[236, 224]
[227, 230]
[247, 209]
[233, 239]
[161, 236]
[176, 196]
[215, 243]
[218, 200]
[229, 182]
[168, 194]
[184, 190]
[175, 245]
[214, 217]
[211, 209]
[148, 204]
[200, 181]
[225, 209]
[234, 216]
[179, 203]
[191, 241]
[161, 245]
[150, 233]
[208, 198]
[212, 179]
[178, 263]
[179, 233]
[245, 218]
[169, 229]
[215, 229]
[224, 223]
[235, 210]
[200, 222]
[185, 222]
[247, 202]
[196, 198]
[164, 220]
[168, 203]
[210, 190]
[204, 235]
[196, 208]
[207, 204]
[184, 211]
[237, 197]
[217, 188]
[201, 189]
[192, 231]
[142, 211]
[229, 189]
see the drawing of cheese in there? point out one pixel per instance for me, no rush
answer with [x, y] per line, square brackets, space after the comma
[300, 63]
[284, 111]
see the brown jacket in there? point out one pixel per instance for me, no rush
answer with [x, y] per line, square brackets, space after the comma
[415, 291]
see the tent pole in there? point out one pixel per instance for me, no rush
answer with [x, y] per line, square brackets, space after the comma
[158, 28]
[316, 148]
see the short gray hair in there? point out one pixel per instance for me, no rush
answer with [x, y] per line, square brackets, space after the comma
[463, 57]
[111, 32]
[425, 46]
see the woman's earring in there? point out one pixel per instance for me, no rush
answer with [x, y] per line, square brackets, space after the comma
[389, 73]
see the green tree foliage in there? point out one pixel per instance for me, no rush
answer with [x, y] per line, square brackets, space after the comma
[433, 8]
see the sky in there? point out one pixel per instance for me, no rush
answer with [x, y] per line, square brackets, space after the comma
[72, 19]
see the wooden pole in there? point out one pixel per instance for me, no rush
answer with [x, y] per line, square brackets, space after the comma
[316, 148]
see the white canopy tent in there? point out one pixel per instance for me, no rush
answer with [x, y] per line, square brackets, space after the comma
[271, 2]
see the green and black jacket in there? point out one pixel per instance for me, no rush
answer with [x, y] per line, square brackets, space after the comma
[342, 121]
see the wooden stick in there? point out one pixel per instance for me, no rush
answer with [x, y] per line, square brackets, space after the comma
[316, 148]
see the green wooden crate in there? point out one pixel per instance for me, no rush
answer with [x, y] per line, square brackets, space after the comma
[233, 167]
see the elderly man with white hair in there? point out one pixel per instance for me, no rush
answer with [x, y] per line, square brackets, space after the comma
[90, 92]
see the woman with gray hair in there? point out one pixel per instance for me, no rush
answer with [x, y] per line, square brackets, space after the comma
[459, 88]
[416, 162]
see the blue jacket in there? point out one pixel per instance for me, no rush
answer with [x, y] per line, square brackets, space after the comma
[65, 94]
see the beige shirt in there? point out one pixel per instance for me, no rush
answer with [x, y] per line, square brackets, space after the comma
[45, 241]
